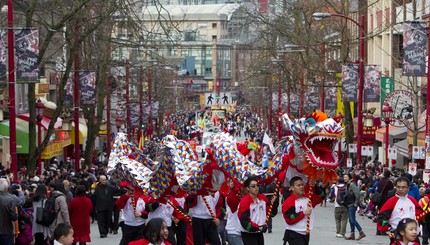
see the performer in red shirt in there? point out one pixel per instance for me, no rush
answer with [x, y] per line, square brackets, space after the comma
[252, 213]
[295, 211]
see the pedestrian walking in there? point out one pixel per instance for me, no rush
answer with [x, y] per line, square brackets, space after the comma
[104, 205]
[41, 233]
[60, 205]
[353, 201]
[80, 209]
[340, 210]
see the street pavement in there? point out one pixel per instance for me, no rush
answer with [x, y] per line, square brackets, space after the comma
[324, 232]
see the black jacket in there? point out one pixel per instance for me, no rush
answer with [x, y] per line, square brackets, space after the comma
[104, 197]
[8, 213]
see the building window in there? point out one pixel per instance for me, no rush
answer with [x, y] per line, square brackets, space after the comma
[214, 25]
[213, 37]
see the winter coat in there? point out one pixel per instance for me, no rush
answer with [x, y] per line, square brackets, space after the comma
[80, 209]
[63, 211]
[36, 228]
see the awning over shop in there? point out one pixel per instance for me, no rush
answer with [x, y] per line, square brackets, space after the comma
[83, 132]
[45, 120]
[402, 147]
[21, 134]
[55, 147]
[394, 133]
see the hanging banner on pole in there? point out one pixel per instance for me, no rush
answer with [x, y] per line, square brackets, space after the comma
[294, 104]
[87, 87]
[387, 86]
[349, 82]
[414, 48]
[3, 56]
[372, 80]
[27, 53]
[68, 93]
[330, 96]
[312, 97]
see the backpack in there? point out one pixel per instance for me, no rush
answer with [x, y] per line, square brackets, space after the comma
[341, 195]
[46, 214]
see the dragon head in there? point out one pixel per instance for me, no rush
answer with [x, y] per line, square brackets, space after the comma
[317, 136]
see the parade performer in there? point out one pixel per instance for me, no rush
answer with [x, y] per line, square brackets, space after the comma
[310, 158]
[398, 207]
[206, 213]
[133, 211]
[233, 226]
[407, 232]
[170, 211]
[296, 211]
[253, 209]
[155, 232]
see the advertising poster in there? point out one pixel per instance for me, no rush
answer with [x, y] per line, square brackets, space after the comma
[349, 82]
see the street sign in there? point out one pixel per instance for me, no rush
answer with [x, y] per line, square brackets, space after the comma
[221, 99]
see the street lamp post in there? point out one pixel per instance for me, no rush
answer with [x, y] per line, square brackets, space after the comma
[387, 114]
[323, 77]
[319, 16]
[11, 90]
[39, 116]
[76, 91]
[279, 102]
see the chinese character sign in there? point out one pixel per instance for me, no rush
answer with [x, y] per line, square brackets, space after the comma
[349, 82]
[387, 86]
[414, 48]
[27, 52]
[372, 80]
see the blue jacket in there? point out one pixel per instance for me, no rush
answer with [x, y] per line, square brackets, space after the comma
[414, 192]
